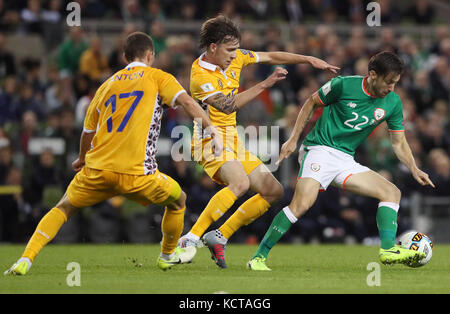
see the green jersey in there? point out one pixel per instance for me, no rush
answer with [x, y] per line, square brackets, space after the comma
[351, 114]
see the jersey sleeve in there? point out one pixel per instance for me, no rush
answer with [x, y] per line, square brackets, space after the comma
[169, 88]
[246, 57]
[331, 91]
[395, 120]
[203, 86]
[93, 111]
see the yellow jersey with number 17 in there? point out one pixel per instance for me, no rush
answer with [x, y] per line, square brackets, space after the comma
[126, 115]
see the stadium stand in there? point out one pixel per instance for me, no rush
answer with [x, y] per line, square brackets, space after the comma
[49, 72]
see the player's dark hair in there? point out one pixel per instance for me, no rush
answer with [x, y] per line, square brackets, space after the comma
[136, 45]
[386, 62]
[218, 30]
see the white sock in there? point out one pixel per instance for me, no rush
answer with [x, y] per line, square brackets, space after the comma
[24, 259]
[167, 257]
[394, 206]
[287, 211]
[192, 236]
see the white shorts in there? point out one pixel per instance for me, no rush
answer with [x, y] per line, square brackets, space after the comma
[327, 165]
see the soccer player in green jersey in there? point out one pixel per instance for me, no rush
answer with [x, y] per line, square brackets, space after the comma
[353, 107]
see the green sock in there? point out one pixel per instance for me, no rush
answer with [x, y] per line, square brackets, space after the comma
[280, 225]
[387, 223]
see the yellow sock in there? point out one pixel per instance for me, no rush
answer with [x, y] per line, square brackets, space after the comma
[253, 208]
[45, 231]
[217, 206]
[171, 226]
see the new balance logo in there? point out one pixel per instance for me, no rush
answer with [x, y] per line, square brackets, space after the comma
[351, 105]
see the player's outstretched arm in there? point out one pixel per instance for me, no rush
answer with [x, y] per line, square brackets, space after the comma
[232, 103]
[305, 114]
[281, 57]
[404, 154]
[196, 113]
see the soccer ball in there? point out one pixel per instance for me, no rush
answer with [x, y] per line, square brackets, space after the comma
[417, 241]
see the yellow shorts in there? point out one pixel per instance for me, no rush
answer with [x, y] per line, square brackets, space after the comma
[233, 150]
[92, 186]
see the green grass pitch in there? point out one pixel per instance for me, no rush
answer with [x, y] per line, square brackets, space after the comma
[295, 269]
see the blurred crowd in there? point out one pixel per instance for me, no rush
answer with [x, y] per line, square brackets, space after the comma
[44, 99]
[36, 15]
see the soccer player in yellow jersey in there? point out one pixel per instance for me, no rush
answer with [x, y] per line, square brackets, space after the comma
[214, 84]
[117, 152]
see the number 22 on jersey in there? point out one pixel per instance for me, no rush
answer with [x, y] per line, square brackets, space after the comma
[355, 117]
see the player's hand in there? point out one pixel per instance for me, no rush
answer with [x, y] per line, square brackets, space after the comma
[422, 177]
[286, 150]
[322, 65]
[78, 164]
[278, 75]
[216, 142]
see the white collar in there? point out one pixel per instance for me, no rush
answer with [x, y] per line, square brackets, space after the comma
[210, 66]
[206, 65]
[136, 64]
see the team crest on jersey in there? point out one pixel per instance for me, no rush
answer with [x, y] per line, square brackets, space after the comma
[379, 114]
[315, 167]
[220, 83]
[208, 87]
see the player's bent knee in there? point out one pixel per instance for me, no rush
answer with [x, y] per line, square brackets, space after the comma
[274, 192]
[395, 194]
[390, 193]
[179, 203]
[240, 187]
[66, 207]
